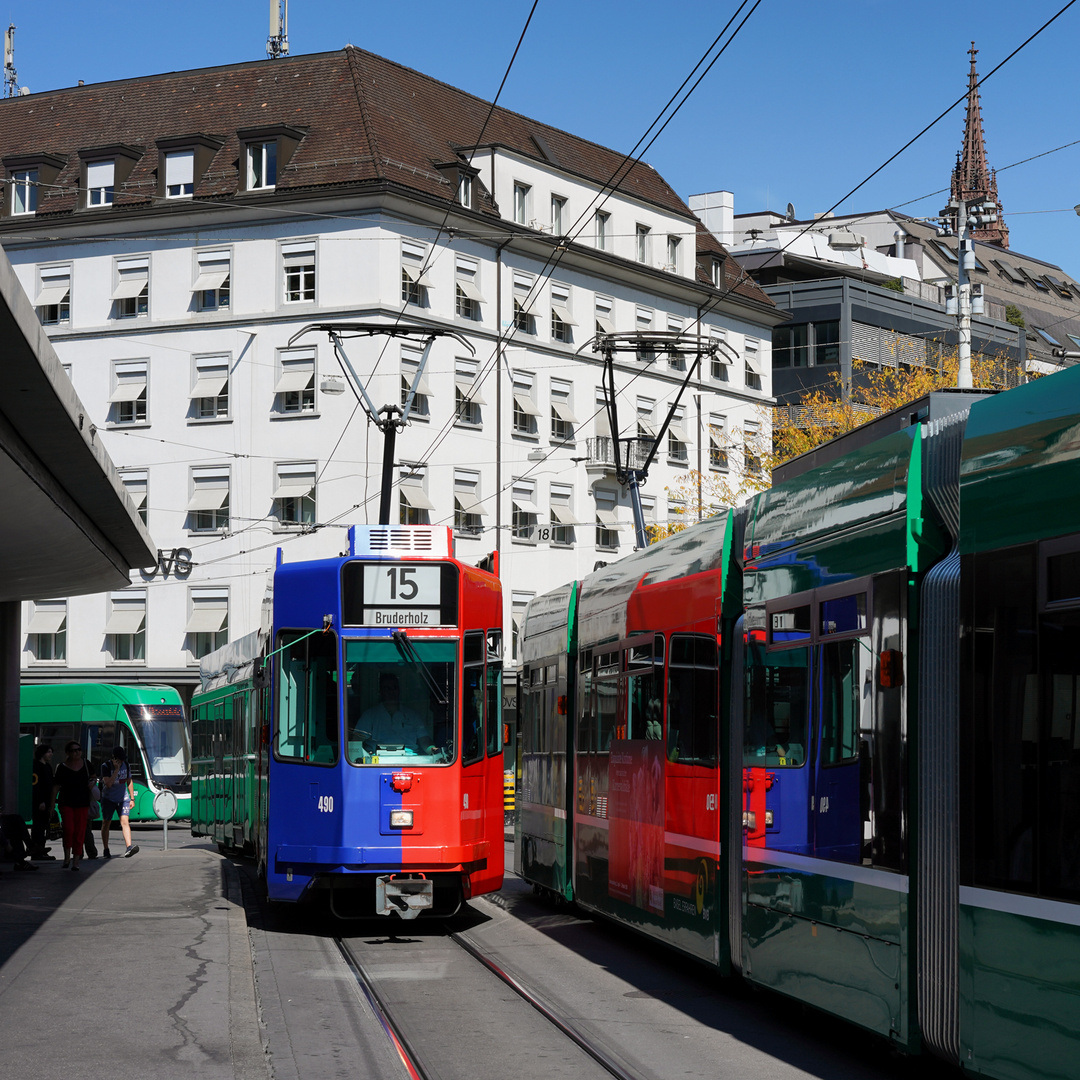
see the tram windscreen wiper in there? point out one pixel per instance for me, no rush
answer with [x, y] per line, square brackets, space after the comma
[408, 650]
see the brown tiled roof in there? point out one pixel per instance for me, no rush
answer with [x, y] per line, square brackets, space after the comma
[365, 120]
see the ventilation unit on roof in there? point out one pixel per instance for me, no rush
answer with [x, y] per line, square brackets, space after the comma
[846, 241]
[403, 540]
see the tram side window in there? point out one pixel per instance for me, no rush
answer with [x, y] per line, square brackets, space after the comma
[307, 700]
[586, 719]
[472, 744]
[776, 707]
[693, 698]
[840, 689]
[645, 688]
[494, 693]
[607, 700]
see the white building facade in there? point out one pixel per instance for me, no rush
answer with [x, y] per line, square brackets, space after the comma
[176, 308]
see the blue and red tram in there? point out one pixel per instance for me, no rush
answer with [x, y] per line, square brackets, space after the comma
[355, 749]
[829, 741]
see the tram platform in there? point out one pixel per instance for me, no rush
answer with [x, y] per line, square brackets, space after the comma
[131, 966]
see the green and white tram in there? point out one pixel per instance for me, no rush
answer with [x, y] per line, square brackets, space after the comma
[148, 721]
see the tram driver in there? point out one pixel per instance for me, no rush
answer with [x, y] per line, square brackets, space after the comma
[394, 724]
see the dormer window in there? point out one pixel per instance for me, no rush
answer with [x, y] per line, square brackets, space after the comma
[105, 169]
[179, 174]
[30, 177]
[465, 190]
[266, 152]
[262, 165]
[100, 181]
[24, 191]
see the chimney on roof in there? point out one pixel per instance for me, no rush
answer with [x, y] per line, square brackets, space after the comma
[716, 211]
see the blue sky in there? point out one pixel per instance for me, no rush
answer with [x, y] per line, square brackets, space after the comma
[811, 97]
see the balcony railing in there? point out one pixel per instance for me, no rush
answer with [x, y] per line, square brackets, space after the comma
[633, 452]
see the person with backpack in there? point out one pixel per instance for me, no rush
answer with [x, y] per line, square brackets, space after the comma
[117, 797]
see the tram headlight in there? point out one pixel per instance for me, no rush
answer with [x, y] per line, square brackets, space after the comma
[401, 819]
[749, 820]
[768, 819]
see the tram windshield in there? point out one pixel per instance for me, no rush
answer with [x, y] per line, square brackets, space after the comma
[163, 732]
[400, 702]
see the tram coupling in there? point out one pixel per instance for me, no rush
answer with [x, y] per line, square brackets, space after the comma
[404, 895]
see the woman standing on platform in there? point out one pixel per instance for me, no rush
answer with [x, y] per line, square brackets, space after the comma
[71, 785]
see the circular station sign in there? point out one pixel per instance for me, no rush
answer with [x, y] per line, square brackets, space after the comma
[165, 805]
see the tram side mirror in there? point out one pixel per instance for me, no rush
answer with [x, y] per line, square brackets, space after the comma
[891, 669]
[261, 675]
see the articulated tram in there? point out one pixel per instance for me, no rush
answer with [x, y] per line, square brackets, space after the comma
[829, 741]
[354, 747]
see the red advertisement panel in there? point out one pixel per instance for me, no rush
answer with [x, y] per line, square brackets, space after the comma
[636, 829]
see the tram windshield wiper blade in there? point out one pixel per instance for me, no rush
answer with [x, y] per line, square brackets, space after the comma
[408, 650]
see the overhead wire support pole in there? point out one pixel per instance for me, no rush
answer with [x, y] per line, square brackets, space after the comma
[675, 345]
[396, 416]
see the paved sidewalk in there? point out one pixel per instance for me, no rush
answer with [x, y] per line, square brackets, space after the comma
[139, 965]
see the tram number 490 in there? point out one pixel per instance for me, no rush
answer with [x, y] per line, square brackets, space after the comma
[326, 804]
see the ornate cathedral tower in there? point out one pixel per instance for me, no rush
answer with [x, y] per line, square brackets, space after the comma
[972, 180]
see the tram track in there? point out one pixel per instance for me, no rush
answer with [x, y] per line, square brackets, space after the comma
[418, 1052]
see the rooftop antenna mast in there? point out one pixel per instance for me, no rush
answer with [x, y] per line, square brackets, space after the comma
[11, 76]
[277, 44]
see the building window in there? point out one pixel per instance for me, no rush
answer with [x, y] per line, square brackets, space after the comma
[676, 360]
[602, 228]
[179, 173]
[469, 511]
[752, 448]
[562, 515]
[827, 342]
[643, 325]
[210, 392]
[607, 521]
[562, 322]
[53, 301]
[295, 388]
[99, 182]
[678, 438]
[298, 264]
[524, 320]
[208, 506]
[718, 454]
[137, 485]
[414, 503]
[558, 211]
[605, 321]
[465, 190]
[522, 194]
[562, 412]
[208, 621]
[467, 396]
[414, 278]
[753, 365]
[131, 292]
[125, 630]
[716, 272]
[673, 246]
[130, 392]
[467, 295]
[414, 383]
[294, 495]
[720, 362]
[47, 631]
[525, 511]
[211, 287]
[519, 602]
[676, 511]
[642, 240]
[790, 348]
[261, 165]
[646, 419]
[24, 191]
[525, 408]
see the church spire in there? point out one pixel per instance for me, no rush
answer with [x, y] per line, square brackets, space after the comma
[972, 180]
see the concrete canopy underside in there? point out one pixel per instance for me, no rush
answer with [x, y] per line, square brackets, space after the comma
[68, 527]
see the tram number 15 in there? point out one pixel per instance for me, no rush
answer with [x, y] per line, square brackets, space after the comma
[326, 804]
[403, 585]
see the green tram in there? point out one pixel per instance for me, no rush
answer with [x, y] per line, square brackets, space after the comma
[148, 721]
[895, 761]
